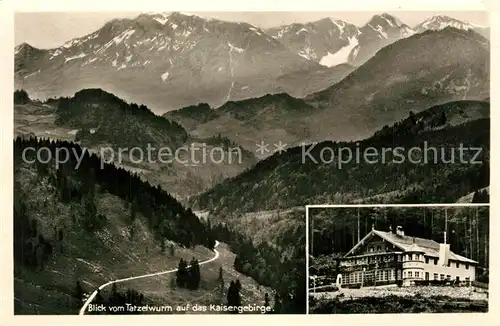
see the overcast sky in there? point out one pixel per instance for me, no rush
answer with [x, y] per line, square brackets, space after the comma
[49, 30]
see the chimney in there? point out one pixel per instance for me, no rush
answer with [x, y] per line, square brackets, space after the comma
[399, 231]
[444, 253]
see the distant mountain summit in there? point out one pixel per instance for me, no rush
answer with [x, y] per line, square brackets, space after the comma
[440, 22]
[315, 40]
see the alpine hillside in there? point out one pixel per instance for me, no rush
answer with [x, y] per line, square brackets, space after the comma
[105, 124]
[311, 174]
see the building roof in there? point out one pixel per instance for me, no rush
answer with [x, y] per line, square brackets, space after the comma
[404, 242]
[415, 248]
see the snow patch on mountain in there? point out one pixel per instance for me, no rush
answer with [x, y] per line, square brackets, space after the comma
[407, 31]
[440, 22]
[56, 53]
[235, 48]
[308, 52]
[123, 36]
[161, 18]
[70, 43]
[89, 61]
[354, 52]
[387, 20]
[162, 21]
[32, 74]
[255, 30]
[380, 30]
[340, 25]
[81, 55]
[341, 56]
[301, 30]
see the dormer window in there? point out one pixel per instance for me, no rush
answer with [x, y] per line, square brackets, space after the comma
[371, 249]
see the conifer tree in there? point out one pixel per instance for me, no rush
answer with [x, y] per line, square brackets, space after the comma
[78, 293]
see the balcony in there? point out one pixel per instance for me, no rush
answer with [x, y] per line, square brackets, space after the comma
[370, 266]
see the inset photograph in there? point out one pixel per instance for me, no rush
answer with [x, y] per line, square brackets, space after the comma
[398, 259]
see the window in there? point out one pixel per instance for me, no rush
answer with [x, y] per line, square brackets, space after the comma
[393, 274]
[448, 277]
[457, 278]
[426, 260]
[435, 276]
[427, 276]
[410, 274]
[458, 264]
[449, 263]
[441, 277]
[379, 248]
[467, 279]
[417, 274]
[386, 275]
[466, 266]
[417, 257]
[371, 249]
[435, 261]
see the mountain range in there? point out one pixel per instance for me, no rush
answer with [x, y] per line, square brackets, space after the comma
[168, 61]
[332, 42]
[412, 74]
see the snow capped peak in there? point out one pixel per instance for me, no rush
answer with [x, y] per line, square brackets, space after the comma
[385, 21]
[338, 22]
[392, 20]
[439, 22]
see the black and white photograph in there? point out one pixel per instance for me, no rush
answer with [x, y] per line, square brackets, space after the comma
[393, 259]
[163, 160]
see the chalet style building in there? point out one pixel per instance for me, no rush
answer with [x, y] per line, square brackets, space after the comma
[383, 258]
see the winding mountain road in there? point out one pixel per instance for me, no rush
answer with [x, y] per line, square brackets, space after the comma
[93, 295]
